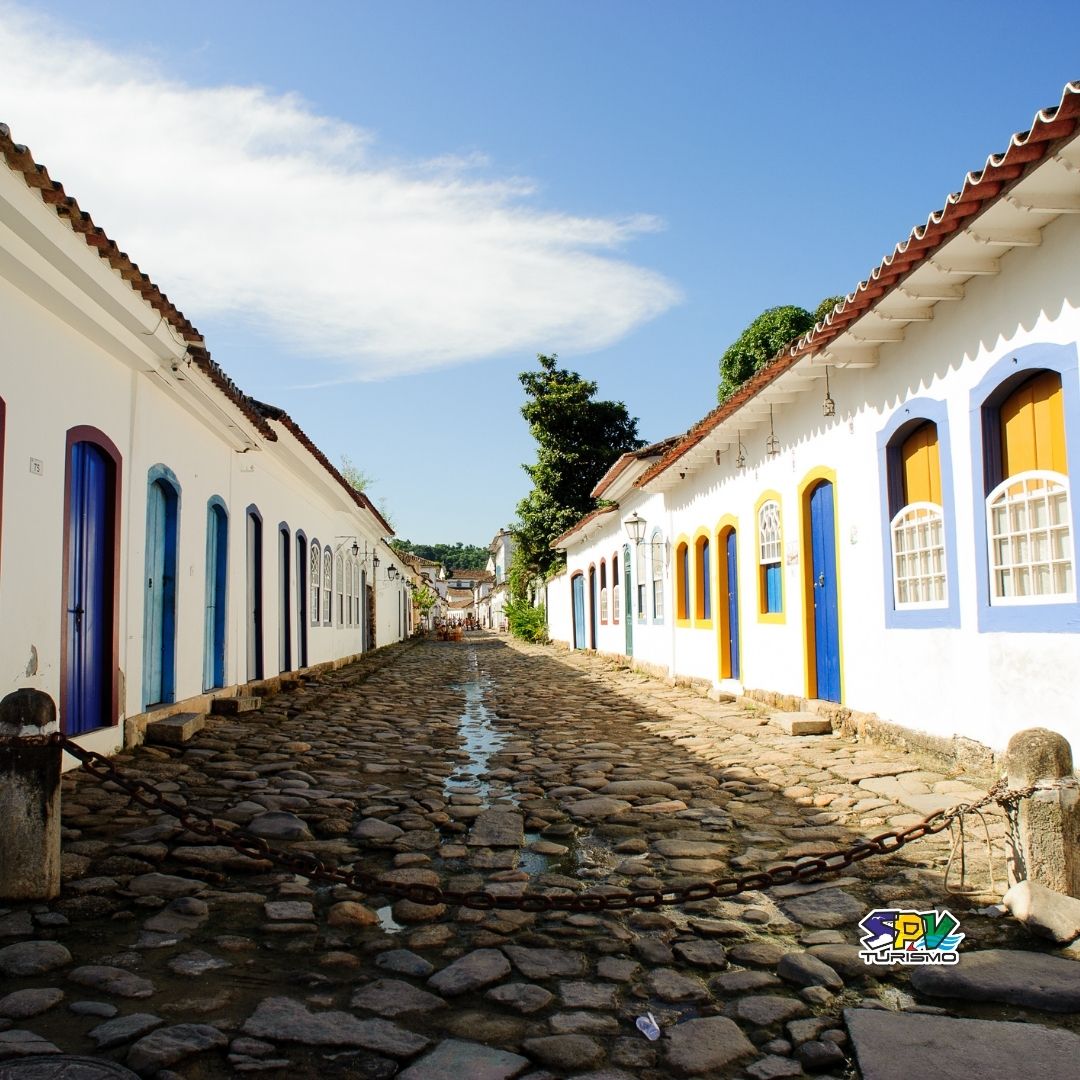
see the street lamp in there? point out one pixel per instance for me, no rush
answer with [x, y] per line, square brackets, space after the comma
[391, 572]
[635, 527]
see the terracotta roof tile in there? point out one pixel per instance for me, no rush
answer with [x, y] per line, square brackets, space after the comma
[980, 188]
[584, 521]
[20, 160]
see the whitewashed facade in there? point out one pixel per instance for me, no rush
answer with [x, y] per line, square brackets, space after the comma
[970, 631]
[159, 528]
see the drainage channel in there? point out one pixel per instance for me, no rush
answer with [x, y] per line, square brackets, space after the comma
[586, 857]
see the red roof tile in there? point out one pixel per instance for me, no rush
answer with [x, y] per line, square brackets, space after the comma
[981, 188]
[20, 160]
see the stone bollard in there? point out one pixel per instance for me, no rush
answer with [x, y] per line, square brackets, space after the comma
[29, 798]
[1045, 845]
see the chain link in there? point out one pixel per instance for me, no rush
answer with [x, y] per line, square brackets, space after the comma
[203, 823]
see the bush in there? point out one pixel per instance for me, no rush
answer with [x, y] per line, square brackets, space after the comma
[527, 622]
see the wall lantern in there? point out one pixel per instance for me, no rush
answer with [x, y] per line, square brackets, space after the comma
[772, 443]
[635, 527]
[375, 561]
[740, 457]
[355, 545]
[391, 572]
[828, 406]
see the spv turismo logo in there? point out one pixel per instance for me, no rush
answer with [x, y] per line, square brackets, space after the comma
[892, 936]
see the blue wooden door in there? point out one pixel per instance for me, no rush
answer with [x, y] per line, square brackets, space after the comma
[254, 597]
[628, 602]
[284, 602]
[592, 608]
[578, 585]
[89, 614]
[159, 632]
[301, 601]
[731, 552]
[826, 615]
[217, 561]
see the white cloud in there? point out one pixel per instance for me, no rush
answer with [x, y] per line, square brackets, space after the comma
[241, 202]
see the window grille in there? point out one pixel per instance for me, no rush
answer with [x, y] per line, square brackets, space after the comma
[316, 577]
[918, 539]
[328, 587]
[1029, 534]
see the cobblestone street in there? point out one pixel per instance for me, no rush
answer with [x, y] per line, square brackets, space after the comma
[492, 765]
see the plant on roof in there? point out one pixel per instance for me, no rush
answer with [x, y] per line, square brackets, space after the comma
[578, 438]
[773, 330]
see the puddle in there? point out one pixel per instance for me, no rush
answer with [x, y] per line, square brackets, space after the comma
[387, 920]
[481, 740]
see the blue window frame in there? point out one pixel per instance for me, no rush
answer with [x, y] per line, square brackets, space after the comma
[996, 385]
[890, 439]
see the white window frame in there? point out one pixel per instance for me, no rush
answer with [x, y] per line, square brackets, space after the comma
[1036, 489]
[604, 604]
[328, 587]
[656, 553]
[315, 579]
[639, 567]
[615, 603]
[348, 591]
[909, 531]
[770, 538]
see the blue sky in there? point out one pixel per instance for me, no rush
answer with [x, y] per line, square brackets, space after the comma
[377, 214]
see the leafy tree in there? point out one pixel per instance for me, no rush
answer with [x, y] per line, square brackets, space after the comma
[825, 307]
[424, 599]
[360, 481]
[578, 438]
[354, 475]
[763, 339]
[457, 556]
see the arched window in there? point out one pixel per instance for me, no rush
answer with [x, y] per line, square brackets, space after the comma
[682, 581]
[615, 588]
[340, 591]
[1028, 520]
[315, 576]
[603, 592]
[328, 586]
[658, 558]
[770, 551]
[702, 580]
[349, 591]
[918, 525]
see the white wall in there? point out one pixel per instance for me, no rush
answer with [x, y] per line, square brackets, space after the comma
[946, 681]
[59, 369]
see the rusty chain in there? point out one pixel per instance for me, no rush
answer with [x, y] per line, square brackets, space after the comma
[203, 823]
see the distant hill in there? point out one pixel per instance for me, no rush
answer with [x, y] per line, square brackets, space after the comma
[453, 556]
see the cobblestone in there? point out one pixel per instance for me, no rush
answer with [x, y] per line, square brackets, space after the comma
[481, 765]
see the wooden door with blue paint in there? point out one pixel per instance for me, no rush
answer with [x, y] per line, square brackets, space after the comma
[578, 592]
[826, 628]
[89, 601]
[732, 564]
[159, 629]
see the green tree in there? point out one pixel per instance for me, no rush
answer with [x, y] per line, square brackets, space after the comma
[424, 599]
[578, 438]
[355, 477]
[360, 481]
[773, 330]
[457, 556]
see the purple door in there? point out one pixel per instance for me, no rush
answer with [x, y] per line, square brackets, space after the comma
[89, 614]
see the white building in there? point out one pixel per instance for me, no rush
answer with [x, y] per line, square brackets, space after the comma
[881, 518]
[165, 538]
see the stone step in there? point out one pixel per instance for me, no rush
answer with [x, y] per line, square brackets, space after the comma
[174, 730]
[231, 706]
[801, 723]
